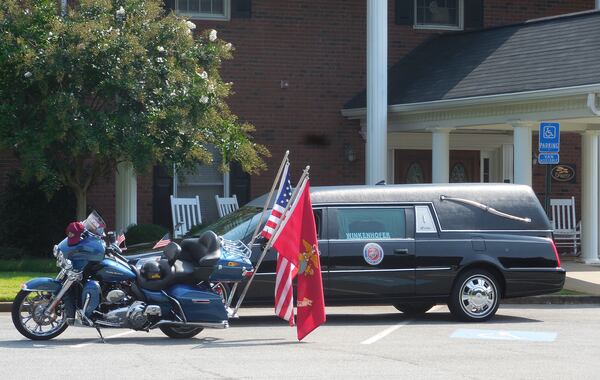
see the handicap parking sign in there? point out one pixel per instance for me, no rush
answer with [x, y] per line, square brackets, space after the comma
[549, 137]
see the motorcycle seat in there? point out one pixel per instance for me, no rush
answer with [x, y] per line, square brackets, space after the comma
[204, 251]
[181, 272]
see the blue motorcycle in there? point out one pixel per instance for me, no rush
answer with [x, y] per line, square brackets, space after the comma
[181, 291]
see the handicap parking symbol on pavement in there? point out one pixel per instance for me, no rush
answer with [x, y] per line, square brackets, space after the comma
[530, 336]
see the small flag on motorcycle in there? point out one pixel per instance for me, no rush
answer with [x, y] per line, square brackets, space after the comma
[163, 242]
[120, 239]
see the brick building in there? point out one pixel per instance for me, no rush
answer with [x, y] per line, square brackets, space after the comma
[300, 69]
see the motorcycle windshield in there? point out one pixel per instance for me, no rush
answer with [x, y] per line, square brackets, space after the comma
[238, 225]
[94, 223]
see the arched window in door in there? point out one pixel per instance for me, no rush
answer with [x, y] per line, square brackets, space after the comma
[414, 174]
[459, 173]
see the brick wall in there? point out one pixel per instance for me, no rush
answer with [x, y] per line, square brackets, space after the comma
[320, 49]
[499, 12]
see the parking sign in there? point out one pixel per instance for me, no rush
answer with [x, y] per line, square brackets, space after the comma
[548, 158]
[549, 138]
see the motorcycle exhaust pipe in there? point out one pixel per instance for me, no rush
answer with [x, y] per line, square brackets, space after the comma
[208, 325]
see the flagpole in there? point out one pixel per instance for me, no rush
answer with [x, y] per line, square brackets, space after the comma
[275, 233]
[262, 215]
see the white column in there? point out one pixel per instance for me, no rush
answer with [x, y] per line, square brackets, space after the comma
[377, 40]
[440, 156]
[589, 197]
[507, 163]
[126, 196]
[522, 153]
[226, 186]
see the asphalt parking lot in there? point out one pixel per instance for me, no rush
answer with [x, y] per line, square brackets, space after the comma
[521, 342]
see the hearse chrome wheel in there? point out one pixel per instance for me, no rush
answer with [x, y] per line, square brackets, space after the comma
[29, 318]
[475, 296]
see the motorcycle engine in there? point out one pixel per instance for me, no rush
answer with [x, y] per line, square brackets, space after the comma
[135, 315]
[116, 296]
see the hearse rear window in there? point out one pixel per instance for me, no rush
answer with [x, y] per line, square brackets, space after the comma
[371, 223]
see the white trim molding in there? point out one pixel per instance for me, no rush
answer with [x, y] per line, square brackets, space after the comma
[496, 99]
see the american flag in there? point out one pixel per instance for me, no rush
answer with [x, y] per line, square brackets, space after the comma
[120, 239]
[284, 293]
[283, 197]
[163, 242]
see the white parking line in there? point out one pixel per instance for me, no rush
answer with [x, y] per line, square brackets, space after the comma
[391, 329]
[105, 338]
[385, 333]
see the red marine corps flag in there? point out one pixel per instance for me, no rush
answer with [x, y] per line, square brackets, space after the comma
[296, 240]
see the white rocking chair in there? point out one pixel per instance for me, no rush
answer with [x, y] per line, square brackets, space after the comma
[567, 231]
[186, 214]
[226, 205]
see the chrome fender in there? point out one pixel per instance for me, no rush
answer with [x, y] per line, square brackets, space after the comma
[46, 284]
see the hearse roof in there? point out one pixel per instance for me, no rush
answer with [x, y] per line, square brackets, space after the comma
[453, 203]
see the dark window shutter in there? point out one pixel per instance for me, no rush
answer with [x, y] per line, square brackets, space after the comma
[405, 12]
[170, 5]
[241, 8]
[473, 14]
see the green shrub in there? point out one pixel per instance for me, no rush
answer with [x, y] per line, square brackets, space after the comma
[195, 231]
[31, 221]
[10, 253]
[143, 233]
[29, 264]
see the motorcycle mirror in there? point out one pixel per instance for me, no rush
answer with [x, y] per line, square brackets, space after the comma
[112, 237]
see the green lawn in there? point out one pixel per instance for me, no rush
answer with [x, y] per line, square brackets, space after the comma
[10, 282]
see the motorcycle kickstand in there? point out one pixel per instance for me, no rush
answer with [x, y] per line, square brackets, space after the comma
[100, 333]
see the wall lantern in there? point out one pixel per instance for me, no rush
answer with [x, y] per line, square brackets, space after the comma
[349, 153]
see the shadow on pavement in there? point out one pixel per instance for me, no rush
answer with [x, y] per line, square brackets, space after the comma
[205, 342]
[337, 319]
[380, 319]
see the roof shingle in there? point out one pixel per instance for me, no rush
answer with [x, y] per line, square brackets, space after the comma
[543, 54]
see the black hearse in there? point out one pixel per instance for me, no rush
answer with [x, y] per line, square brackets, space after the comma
[414, 246]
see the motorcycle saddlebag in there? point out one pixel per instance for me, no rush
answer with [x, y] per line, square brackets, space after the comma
[199, 304]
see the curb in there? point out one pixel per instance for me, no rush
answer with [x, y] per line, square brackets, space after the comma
[537, 300]
[553, 300]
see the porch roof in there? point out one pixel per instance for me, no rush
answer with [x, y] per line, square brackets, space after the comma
[550, 53]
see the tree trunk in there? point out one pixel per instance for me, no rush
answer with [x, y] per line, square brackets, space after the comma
[81, 196]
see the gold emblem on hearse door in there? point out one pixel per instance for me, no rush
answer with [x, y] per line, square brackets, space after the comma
[373, 253]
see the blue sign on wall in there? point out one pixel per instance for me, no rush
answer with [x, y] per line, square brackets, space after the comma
[548, 158]
[549, 138]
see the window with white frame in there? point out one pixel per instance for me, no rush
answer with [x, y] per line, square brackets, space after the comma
[204, 9]
[439, 14]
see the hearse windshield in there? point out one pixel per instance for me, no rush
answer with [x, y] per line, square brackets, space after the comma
[238, 225]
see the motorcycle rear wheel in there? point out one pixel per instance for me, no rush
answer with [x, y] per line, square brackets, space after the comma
[29, 319]
[180, 332]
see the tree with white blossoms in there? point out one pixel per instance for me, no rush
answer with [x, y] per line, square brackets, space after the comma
[113, 81]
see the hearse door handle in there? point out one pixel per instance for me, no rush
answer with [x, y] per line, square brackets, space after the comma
[401, 251]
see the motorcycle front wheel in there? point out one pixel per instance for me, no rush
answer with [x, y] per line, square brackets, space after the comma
[29, 319]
